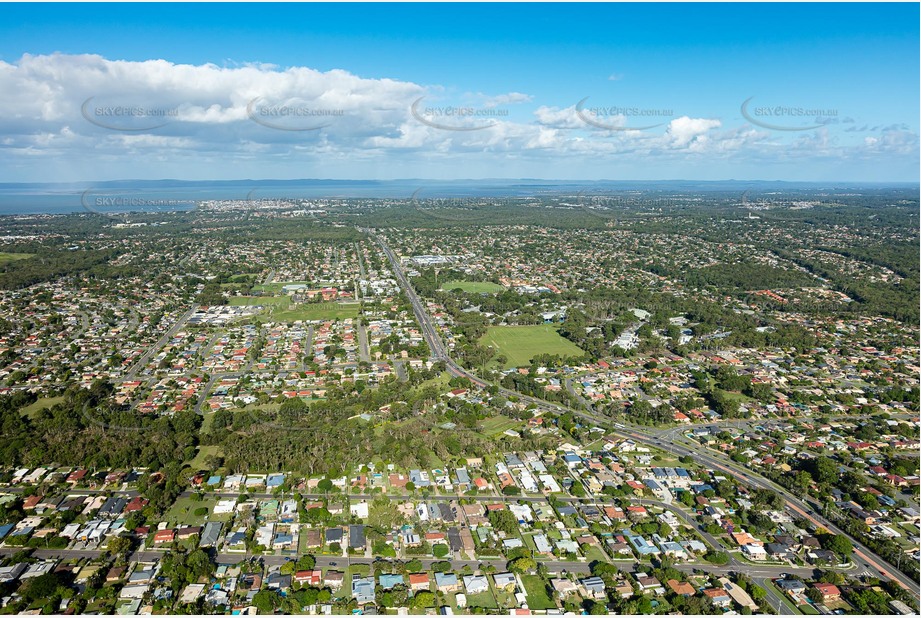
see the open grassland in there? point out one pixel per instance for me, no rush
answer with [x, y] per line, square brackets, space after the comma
[12, 257]
[473, 287]
[281, 309]
[316, 311]
[519, 344]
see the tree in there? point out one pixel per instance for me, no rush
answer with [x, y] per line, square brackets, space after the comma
[306, 596]
[413, 566]
[717, 557]
[814, 595]
[40, 587]
[837, 543]
[199, 564]
[118, 545]
[522, 564]
[832, 577]
[440, 550]
[823, 470]
[597, 609]
[306, 562]
[504, 521]
[423, 599]
[266, 601]
[316, 515]
[325, 486]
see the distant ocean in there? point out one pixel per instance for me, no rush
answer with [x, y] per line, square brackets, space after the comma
[19, 199]
[166, 195]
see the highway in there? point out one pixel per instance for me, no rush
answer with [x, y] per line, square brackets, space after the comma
[665, 440]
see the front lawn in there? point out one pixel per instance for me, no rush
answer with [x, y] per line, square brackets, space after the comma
[536, 591]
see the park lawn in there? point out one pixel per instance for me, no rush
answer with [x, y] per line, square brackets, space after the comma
[207, 418]
[740, 397]
[198, 462]
[536, 592]
[264, 301]
[519, 344]
[440, 381]
[40, 404]
[668, 462]
[13, 257]
[183, 511]
[482, 599]
[473, 287]
[495, 425]
[316, 311]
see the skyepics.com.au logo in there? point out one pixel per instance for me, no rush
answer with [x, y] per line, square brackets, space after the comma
[292, 114]
[619, 117]
[127, 116]
[113, 203]
[457, 117]
[787, 117]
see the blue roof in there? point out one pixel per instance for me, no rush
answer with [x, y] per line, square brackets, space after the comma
[445, 579]
[642, 545]
[389, 580]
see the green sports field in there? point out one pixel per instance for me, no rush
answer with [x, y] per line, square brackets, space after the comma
[473, 287]
[316, 311]
[12, 257]
[281, 309]
[520, 344]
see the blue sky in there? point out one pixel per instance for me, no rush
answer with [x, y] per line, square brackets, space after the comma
[832, 90]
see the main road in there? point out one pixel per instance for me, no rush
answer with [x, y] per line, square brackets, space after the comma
[866, 559]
